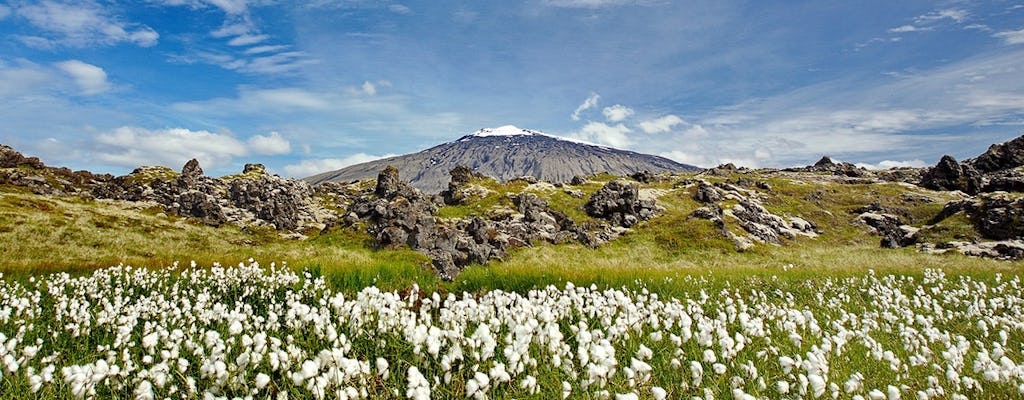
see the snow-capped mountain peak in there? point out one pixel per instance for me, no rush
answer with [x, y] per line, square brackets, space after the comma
[507, 130]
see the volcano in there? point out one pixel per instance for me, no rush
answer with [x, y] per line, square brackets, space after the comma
[506, 153]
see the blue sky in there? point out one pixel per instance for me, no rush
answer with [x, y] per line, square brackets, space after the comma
[109, 85]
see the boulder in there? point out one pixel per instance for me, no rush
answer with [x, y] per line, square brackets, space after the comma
[707, 193]
[948, 174]
[619, 202]
[388, 182]
[894, 232]
[190, 173]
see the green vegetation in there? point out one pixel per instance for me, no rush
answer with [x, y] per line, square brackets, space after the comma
[40, 235]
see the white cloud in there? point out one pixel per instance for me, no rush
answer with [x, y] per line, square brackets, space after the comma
[233, 28]
[280, 63]
[265, 49]
[269, 145]
[848, 121]
[81, 24]
[888, 164]
[89, 78]
[4, 11]
[133, 146]
[589, 3]
[246, 40]
[369, 89]
[604, 134]
[22, 78]
[661, 124]
[231, 6]
[1012, 37]
[312, 167]
[617, 113]
[907, 28]
[399, 9]
[590, 102]
[955, 14]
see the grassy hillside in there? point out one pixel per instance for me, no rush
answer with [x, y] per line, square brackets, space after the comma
[46, 234]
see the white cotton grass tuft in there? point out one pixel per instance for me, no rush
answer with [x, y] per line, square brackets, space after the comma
[241, 331]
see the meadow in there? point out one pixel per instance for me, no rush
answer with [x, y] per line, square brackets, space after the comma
[250, 331]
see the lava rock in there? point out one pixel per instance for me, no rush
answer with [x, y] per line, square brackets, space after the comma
[948, 174]
[388, 182]
[619, 202]
[1000, 157]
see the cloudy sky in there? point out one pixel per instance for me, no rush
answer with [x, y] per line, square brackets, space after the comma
[108, 85]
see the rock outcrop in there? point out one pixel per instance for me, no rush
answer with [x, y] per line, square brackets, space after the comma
[399, 215]
[995, 216]
[894, 232]
[1000, 157]
[31, 173]
[948, 174]
[620, 203]
[760, 224]
[253, 197]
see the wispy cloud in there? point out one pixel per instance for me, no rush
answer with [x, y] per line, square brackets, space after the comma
[931, 21]
[590, 3]
[587, 104]
[79, 24]
[1012, 37]
[858, 122]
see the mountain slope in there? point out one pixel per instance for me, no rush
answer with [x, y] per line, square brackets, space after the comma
[507, 153]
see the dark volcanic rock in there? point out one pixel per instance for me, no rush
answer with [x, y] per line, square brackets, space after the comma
[388, 182]
[254, 197]
[995, 216]
[191, 173]
[1011, 180]
[9, 158]
[199, 205]
[31, 173]
[894, 232]
[458, 189]
[825, 164]
[948, 174]
[619, 202]
[1000, 157]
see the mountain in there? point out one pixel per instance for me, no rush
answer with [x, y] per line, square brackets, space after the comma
[507, 153]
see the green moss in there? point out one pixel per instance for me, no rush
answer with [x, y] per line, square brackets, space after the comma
[954, 228]
[148, 175]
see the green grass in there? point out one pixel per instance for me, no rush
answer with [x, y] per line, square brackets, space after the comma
[41, 235]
